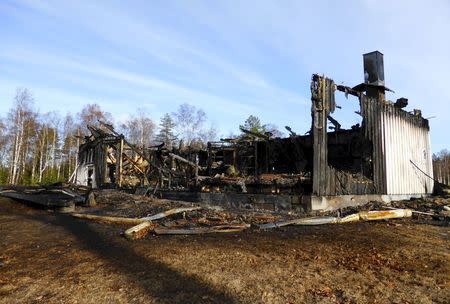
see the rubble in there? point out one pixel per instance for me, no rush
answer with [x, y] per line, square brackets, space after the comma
[163, 217]
[59, 197]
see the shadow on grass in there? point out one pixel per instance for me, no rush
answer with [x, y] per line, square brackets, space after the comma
[156, 279]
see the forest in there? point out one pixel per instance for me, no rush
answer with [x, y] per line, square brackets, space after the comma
[42, 148]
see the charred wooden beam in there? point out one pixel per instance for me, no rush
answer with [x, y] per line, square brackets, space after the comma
[291, 133]
[347, 90]
[182, 159]
[256, 134]
[336, 124]
[120, 162]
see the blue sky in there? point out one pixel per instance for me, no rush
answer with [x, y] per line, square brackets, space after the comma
[231, 58]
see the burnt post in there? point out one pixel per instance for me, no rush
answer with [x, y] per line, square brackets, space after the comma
[119, 162]
[196, 169]
[323, 103]
[102, 163]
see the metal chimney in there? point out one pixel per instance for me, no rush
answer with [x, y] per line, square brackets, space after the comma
[374, 68]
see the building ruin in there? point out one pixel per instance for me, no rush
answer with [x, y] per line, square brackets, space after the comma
[386, 157]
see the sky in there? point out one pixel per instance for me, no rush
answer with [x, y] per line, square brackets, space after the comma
[231, 58]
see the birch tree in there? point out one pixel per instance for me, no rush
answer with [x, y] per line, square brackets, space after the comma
[68, 148]
[139, 129]
[189, 121]
[90, 114]
[17, 118]
[3, 152]
[441, 166]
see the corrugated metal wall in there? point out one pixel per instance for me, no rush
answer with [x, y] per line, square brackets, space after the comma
[407, 153]
[402, 156]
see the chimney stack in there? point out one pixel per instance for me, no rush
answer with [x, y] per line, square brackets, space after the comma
[374, 68]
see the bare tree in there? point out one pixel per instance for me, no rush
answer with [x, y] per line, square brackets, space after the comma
[3, 152]
[273, 129]
[209, 134]
[69, 148]
[189, 121]
[441, 166]
[3, 141]
[17, 120]
[139, 129]
[48, 144]
[43, 148]
[90, 115]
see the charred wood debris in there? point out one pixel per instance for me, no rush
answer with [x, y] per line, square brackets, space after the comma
[141, 214]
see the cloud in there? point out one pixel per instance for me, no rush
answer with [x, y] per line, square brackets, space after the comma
[251, 57]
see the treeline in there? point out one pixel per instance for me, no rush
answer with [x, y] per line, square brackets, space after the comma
[42, 148]
[441, 167]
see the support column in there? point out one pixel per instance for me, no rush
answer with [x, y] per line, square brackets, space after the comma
[119, 162]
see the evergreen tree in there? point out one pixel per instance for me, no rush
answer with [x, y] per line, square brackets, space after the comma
[253, 124]
[166, 133]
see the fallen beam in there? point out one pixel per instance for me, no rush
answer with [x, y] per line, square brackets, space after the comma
[360, 216]
[303, 221]
[384, 214]
[202, 230]
[139, 231]
[182, 159]
[132, 221]
[109, 219]
[169, 212]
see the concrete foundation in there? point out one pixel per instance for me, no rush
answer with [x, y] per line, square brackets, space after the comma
[280, 202]
[243, 200]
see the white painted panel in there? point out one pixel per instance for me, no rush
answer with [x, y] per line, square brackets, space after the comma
[405, 142]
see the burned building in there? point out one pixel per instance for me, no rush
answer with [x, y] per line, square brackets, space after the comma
[392, 147]
[107, 160]
[99, 161]
[387, 156]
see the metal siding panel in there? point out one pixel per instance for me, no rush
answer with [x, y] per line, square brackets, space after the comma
[430, 162]
[399, 155]
[408, 144]
[383, 149]
[418, 160]
[413, 145]
[419, 156]
[379, 149]
[394, 154]
[398, 166]
[385, 144]
[388, 152]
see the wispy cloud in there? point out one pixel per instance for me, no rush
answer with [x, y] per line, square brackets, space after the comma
[231, 58]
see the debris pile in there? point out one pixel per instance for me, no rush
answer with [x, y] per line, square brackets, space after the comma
[161, 217]
[60, 197]
[434, 208]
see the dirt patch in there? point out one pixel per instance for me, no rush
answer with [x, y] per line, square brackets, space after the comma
[54, 258]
